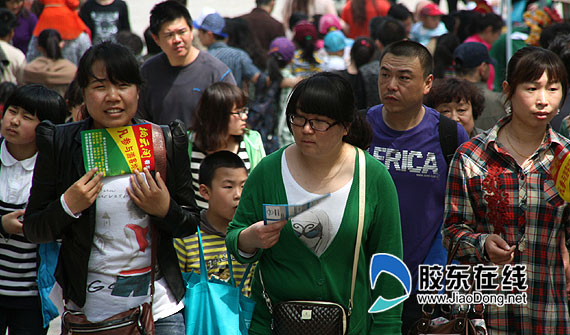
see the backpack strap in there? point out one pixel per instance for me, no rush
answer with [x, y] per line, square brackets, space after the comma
[447, 137]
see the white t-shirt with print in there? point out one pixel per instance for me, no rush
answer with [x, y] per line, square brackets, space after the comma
[317, 226]
[118, 276]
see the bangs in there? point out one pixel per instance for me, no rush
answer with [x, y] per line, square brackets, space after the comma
[530, 63]
[322, 96]
[120, 64]
[537, 70]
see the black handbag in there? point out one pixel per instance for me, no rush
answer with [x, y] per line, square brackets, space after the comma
[309, 317]
[300, 317]
[467, 321]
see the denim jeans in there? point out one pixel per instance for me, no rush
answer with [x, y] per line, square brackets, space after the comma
[21, 322]
[171, 325]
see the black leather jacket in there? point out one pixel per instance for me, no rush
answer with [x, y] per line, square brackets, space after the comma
[60, 164]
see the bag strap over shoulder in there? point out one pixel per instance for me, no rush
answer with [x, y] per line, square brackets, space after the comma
[159, 144]
[447, 137]
[361, 208]
[203, 268]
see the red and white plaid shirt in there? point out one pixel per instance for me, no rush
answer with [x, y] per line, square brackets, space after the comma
[488, 192]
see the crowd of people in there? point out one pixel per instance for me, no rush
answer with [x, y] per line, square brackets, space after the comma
[414, 123]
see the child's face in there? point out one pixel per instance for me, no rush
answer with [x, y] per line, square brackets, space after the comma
[224, 194]
[431, 22]
[19, 126]
[238, 118]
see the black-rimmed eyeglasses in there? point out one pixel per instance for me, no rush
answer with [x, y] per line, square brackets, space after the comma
[242, 113]
[318, 125]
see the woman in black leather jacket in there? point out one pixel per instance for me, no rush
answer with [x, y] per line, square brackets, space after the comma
[104, 223]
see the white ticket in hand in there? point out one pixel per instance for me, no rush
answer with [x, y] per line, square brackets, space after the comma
[274, 213]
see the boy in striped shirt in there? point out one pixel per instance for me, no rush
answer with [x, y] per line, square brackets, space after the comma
[222, 176]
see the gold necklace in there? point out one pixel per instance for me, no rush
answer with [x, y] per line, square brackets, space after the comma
[507, 135]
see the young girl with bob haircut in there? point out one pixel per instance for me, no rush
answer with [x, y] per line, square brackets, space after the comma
[104, 223]
[220, 124]
[501, 204]
[311, 256]
[27, 268]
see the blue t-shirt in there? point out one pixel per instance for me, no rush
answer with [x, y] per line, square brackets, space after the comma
[422, 35]
[415, 161]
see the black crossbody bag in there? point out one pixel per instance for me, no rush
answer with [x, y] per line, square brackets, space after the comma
[301, 317]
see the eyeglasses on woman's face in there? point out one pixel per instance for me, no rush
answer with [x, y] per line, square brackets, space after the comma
[242, 113]
[318, 125]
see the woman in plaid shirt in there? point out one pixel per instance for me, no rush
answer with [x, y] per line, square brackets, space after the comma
[501, 204]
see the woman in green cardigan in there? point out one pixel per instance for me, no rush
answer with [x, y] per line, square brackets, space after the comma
[311, 256]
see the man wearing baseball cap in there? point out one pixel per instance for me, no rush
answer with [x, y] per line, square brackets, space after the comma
[212, 35]
[429, 26]
[471, 62]
[176, 77]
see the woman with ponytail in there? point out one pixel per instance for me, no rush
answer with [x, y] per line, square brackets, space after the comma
[305, 62]
[50, 69]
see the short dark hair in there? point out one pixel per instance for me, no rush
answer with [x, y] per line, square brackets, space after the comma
[40, 101]
[295, 18]
[120, 64]
[330, 95]
[262, 2]
[73, 96]
[399, 12]
[490, 20]
[549, 33]
[49, 40]
[219, 159]
[561, 46]
[529, 63]
[411, 49]
[8, 22]
[213, 113]
[6, 90]
[167, 11]
[390, 31]
[374, 26]
[151, 47]
[455, 90]
[131, 41]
